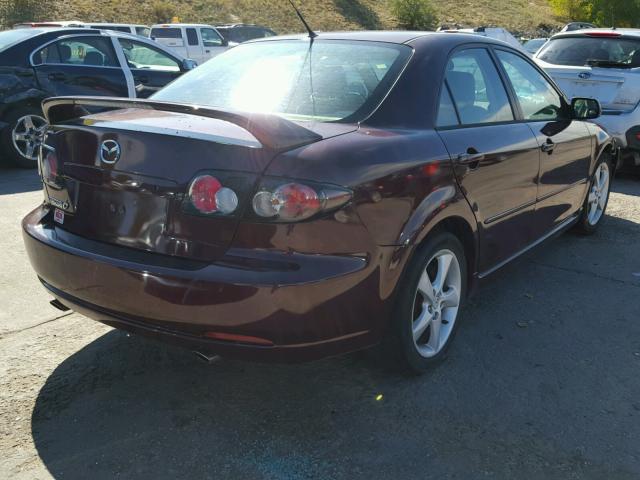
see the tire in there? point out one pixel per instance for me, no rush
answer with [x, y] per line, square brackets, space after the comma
[28, 123]
[597, 198]
[413, 308]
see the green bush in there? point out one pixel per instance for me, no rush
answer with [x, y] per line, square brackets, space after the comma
[414, 14]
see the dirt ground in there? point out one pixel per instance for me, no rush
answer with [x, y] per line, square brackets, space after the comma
[543, 381]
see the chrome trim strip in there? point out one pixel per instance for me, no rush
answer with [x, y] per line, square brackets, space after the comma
[565, 224]
[509, 212]
[563, 189]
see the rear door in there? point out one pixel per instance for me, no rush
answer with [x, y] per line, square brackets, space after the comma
[565, 144]
[80, 65]
[150, 67]
[195, 50]
[496, 158]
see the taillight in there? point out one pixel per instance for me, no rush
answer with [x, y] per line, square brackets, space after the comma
[208, 196]
[604, 34]
[49, 167]
[292, 201]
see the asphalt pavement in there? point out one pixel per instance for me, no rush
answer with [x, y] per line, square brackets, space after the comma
[543, 381]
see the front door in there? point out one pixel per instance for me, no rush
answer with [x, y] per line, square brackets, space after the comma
[565, 144]
[80, 65]
[150, 67]
[212, 42]
[496, 159]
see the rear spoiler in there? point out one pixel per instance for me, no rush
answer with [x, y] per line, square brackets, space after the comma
[272, 131]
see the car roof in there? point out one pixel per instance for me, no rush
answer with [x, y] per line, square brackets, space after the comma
[392, 36]
[177, 25]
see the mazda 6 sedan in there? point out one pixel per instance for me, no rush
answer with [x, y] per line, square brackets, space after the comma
[298, 198]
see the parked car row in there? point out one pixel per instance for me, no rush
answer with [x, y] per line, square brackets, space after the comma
[38, 63]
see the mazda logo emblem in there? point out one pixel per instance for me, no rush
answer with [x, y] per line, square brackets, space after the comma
[584, 75]
[110, 151]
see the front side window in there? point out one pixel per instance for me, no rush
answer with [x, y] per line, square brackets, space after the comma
[537, 98]
[143, 31]
[141, 56]
[87, 51]
[330, 80]
[447, 116]
[476, 88]
[210, 37]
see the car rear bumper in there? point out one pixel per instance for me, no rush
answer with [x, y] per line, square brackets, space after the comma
[266, 306]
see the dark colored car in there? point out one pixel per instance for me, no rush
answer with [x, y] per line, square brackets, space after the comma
[242, 32]
[38, 63]
[290, 200]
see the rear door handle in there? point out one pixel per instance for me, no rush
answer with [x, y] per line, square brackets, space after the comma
[472, 158]
[548, 146]
[57, 76]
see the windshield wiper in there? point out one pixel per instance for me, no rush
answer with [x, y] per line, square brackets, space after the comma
[607, 64]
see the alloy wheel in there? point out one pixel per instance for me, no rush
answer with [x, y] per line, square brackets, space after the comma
[598, 194]
[27, 135]
[436, 303]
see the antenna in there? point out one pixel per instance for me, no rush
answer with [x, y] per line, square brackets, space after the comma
[312, 34]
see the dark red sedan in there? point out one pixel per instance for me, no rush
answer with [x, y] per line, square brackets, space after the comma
[297, 198]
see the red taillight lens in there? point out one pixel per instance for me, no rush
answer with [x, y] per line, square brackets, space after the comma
[50, 167]
[603, 34]
[208, 196]
[292, 202]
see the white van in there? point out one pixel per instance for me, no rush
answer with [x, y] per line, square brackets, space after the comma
[140, 30]
[196, 41]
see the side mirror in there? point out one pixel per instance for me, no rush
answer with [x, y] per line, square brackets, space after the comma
[188, 64]
[585, 108]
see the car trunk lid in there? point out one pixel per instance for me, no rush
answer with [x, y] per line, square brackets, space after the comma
[617, 89]
[138, 199]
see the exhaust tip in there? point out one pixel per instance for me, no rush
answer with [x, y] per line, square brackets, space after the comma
[208, 359]
[59, 305]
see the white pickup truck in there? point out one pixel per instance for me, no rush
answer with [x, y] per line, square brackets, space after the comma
[198, 42]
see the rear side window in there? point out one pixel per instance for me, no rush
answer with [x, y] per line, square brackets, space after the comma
[537, 98]
[581, 51]
[476, 88]
[86, 51]
[142, 56]
[192, 36]
[447, 116]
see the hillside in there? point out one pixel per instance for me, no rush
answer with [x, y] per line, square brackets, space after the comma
[517, 15]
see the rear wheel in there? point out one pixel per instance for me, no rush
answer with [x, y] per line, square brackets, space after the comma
[597, 198]
[22, 138]
[428, 304]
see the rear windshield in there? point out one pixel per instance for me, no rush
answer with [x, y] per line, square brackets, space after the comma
[166, 33]
[581, 51]
[328, 81]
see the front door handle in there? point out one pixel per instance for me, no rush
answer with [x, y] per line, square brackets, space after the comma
[548, 146]
[57, 76]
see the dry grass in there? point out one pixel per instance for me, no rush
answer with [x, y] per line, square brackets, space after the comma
[517, 15]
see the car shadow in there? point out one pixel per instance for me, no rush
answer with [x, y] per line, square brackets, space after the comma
[517, 397]
[15, 180]
[627, 183]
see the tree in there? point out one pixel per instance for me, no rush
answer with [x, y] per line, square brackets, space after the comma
[619, 13]
[414, 14]
[16, 11]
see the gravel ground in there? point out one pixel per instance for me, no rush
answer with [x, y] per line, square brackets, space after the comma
[543, 382]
